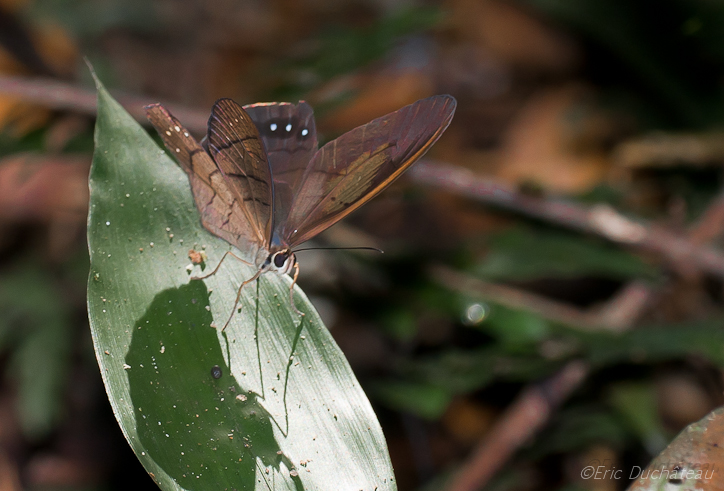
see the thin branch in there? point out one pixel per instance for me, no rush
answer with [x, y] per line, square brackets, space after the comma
[514, 298]
[618, 314]
[530, 412]
[600, 219]
[621, 311]
[661, 150]
[9, 475]
[710, 224]
[64, 96]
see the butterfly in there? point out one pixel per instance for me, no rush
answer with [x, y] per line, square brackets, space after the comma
[261, 184]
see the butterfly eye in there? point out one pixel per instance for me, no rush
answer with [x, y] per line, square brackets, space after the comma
[289, 127]
[280, 259]
[273, 126]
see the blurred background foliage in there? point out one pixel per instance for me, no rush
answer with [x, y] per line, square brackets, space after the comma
[482, 299]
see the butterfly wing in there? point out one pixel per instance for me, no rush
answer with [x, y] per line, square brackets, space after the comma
[349, 171]
[216, 198]
[235, 145]
[290, 140]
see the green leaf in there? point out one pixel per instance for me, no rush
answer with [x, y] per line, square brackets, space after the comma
[36, 327]
[515, 328]
[86, 18]
[341, 49]
[285, 412]
[636, 403]
[651, 344]
[424, 400]
[578, 428]
[522, 254]
[465, 371]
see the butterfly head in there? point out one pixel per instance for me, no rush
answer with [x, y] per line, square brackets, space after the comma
[281, 261]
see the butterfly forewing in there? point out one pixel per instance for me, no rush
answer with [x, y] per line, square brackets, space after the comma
[215, 197]
[290, 140]
[234, 143]
[349, 171]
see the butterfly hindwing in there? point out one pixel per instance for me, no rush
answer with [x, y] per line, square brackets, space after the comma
[290, 139]
[214, 196]
[349, 171]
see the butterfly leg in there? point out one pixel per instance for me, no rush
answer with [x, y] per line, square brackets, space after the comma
[238, 297]
[219, 265]
[291, 289]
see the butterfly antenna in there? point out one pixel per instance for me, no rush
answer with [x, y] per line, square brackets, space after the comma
[340, 249]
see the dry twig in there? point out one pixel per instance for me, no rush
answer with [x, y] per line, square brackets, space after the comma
[601, 220]
[64, 96]
[710, 224]
[619, 313]
[522, 419]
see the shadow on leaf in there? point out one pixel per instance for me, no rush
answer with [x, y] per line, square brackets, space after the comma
[194, 419]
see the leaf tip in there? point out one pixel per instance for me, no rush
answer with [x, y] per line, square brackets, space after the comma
[99, 85]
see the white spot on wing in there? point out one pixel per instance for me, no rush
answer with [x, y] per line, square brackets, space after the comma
[305, 132]
[273, 126]
[177, 128]
[289, 127]
[168, 133]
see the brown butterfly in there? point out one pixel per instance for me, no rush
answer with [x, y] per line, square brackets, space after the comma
[261, 184]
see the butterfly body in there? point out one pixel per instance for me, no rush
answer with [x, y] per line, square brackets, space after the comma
[261, 183]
